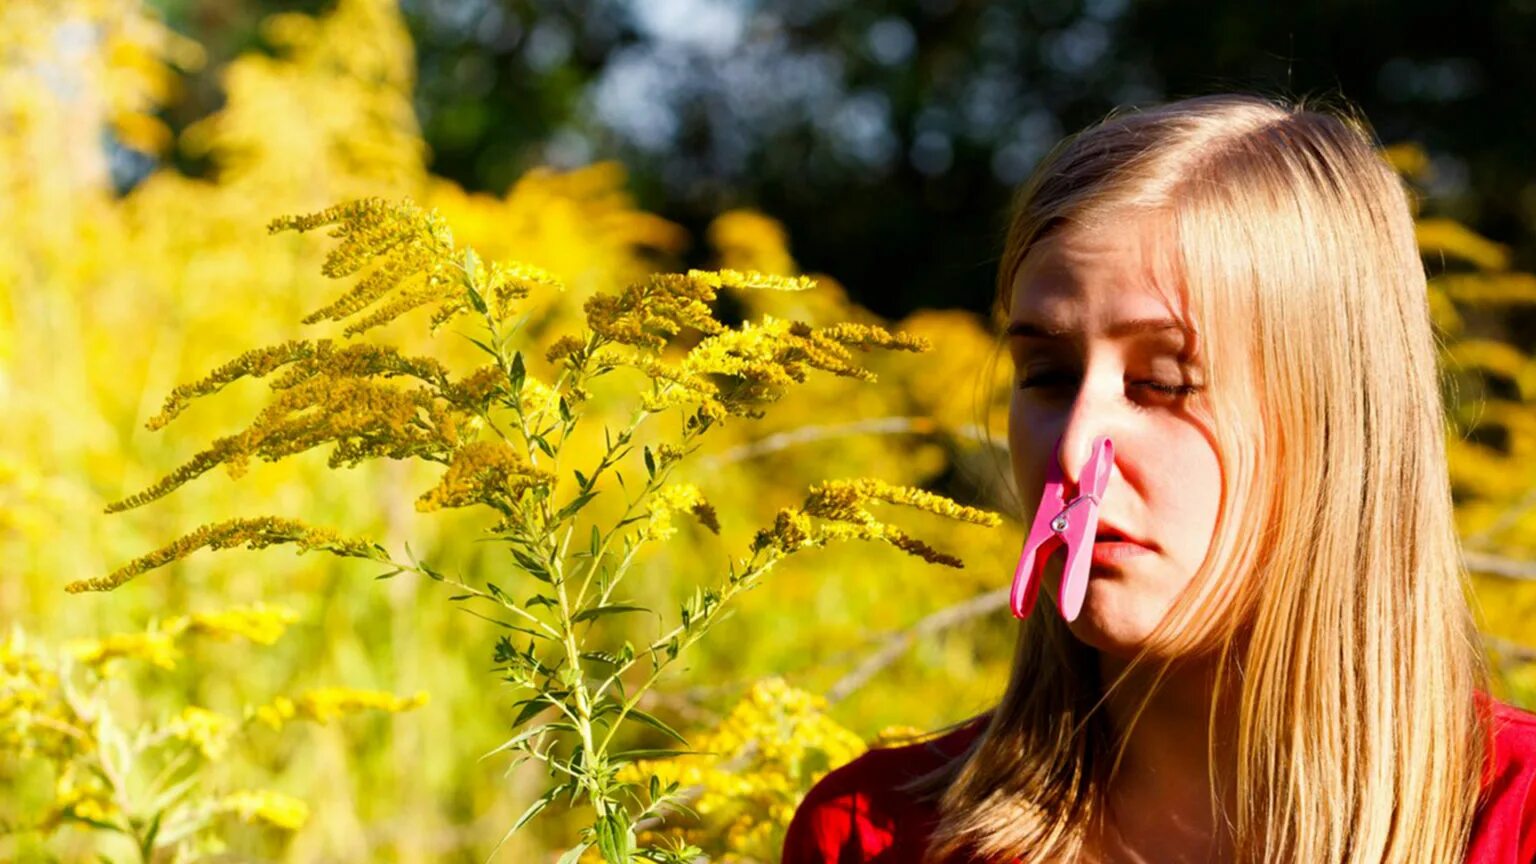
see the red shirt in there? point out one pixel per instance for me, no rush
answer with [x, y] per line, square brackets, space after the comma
[854, 815]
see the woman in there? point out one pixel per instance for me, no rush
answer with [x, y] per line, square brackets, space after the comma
[1273, 659]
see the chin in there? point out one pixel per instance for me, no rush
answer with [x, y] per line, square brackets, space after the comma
[1116, 619]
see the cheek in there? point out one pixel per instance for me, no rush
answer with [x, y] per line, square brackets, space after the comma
[1190, 484]
[1027, 446]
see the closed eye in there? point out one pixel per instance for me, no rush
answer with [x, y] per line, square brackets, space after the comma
[1169, 389]
[1051, 380]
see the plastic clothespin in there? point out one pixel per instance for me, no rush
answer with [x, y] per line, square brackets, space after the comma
[1059, 521]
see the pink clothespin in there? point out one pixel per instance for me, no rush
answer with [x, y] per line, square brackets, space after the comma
[1059, 521]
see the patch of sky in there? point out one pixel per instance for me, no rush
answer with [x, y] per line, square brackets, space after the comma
[1445, 80]
[1105, 10]
[636, 96]
[890, 41]
[860, 130]
[1031, 137]
[710, 27]
[1076, 49]
[548, 45]
[567, 148]
[932, 153]
[990, 99]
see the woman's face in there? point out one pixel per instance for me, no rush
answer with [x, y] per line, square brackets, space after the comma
[1098, 338]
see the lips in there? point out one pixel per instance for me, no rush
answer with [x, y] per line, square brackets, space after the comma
[1108, 532]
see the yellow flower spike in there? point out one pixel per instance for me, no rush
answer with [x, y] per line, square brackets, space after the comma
[259, 623]
[363, 417]
[328, 703]
[752, 280]
[155, 647]
[254, 533]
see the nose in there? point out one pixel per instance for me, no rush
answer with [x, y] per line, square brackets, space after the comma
[1088, 418]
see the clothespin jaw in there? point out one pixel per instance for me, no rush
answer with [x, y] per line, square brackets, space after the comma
[1060, 521]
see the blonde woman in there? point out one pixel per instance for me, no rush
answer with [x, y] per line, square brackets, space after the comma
[1273, 659]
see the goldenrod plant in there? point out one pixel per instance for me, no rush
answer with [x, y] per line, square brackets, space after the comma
[760, 761]
[500, 430]
[138, 776]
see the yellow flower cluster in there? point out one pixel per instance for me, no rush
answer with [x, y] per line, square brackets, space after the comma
[733, 372]
[96, 763]
[206, 730]
[413, 251]
[678, 498]
[749, 240]
[645, 315]
[83, 796]
[413, 255]
[255, 533]
[766, 754]
[156, 647]
[365, 419]
[840, 505]
[273, 808]
[484, 472]
[258, 623]
[751, 279]
[328, 703]
[158, 644]
[34, 718]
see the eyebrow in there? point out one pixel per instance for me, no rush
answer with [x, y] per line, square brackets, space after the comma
[1118, 330]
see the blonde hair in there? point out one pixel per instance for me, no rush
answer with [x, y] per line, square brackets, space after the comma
[1354, 672]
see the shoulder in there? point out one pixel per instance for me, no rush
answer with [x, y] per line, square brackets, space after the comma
[1505, 827]
[858, 810]
[1512, 750]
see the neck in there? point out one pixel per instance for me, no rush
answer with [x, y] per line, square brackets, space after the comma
[1159, 799]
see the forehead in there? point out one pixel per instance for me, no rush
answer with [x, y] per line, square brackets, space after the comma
[1083, 278]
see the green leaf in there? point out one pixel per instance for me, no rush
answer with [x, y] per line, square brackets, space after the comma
[535, 568]
[573, 854]
[650, 463]
[614, 839]
[604, 657]
[651, 753]
[610, 609]
[581, 479]
[532, 811]
[652, 721]
[517, 374]
[532, 707]
[539, 442]
[482, 346]
[515, 740]
[575, 506]
[565, 409]
[147, 845]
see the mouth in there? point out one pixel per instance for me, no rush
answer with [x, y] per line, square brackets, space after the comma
[1109, 534]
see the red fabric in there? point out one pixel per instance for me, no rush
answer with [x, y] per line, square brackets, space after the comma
[854, 815]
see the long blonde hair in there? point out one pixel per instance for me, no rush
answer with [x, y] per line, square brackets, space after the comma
[1353, 672]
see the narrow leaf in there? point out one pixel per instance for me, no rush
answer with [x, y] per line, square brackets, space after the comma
[655, 723]
[610, 609]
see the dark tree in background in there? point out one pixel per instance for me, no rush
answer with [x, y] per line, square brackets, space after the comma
[888, 135]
